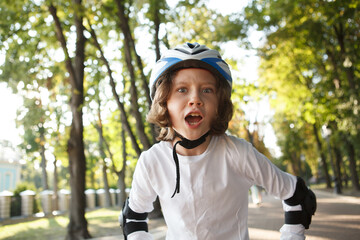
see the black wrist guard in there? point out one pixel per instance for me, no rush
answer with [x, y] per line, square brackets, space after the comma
[307, 199]
[133, 221]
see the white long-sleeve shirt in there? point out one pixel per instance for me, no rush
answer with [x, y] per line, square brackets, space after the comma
[214, 186]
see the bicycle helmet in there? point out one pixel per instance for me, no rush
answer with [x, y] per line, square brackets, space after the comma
[190, 55]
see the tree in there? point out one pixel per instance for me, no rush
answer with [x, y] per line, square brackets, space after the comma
[77, 227]
[99, 128]
[129, 48]
[31, 71]
[307, 42]
[121, 107]
[33, 122]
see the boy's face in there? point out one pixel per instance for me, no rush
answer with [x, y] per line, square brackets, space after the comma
[193, 102]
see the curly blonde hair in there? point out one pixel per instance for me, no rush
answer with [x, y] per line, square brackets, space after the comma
[159, 114]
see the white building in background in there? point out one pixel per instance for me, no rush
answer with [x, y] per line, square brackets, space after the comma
[10, 167]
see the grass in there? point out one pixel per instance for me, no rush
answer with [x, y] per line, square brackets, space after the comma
[101, 222]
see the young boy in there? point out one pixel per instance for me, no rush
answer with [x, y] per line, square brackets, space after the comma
[201, 175]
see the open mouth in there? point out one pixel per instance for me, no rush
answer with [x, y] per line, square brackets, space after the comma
[193, 118]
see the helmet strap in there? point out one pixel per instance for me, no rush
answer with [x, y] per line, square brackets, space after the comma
[188, 144]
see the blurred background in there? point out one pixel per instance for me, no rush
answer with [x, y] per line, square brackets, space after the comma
[74, 89]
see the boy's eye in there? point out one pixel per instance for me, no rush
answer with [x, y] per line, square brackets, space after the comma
[208, 90]
[181, 90]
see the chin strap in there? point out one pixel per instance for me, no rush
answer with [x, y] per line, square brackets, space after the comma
[188, 144]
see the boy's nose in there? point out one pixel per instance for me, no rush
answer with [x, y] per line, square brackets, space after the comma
[195, 99]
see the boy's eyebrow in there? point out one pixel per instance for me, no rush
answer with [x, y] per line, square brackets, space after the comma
[179, 82]
[187, 83]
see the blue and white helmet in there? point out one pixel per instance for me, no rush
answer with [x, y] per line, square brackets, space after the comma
[190, 55]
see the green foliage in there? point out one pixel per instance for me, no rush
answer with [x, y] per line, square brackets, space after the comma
[309, 71]
[31, 175]
[310, 67]
[23, 186]
[16, 199]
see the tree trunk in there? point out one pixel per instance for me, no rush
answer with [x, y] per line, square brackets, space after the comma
[128, 40]
[332, 165]
[352, 164]
[353, 87]
[338, 160]
[43, 164]
[121, 179]
[121, 173]
[99, 128]
[322, 157]
[295, 164]
[340, 34]
[146, 88]
[56, 195]
[155, 129]
[91, 162]
[121, 186]
[123, 114]
[129, 45]
[104, 173]
[157, 29]
[106, 185]
[346, 175]
[77, 228]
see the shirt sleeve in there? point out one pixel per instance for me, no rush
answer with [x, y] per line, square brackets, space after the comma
[261, 171]
[142, 194]
[292, 232]
[141, 235]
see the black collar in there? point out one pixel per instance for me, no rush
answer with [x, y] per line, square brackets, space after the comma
[188, 144]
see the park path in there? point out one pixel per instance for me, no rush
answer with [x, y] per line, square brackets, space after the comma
[337, 218]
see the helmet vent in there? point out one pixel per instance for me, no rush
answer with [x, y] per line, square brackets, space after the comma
[191, 53]
[190, 45]
[191, 48]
